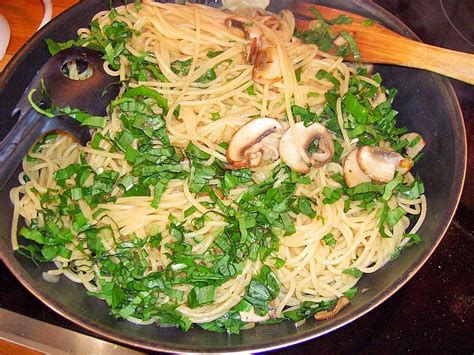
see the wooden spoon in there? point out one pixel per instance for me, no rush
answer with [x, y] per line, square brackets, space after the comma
[379, 45]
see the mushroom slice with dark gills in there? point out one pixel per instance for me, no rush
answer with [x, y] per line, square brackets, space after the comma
[373, 164]
[251, 31]
[254, 144]
[380, 164]
[267, 66]
[316, 132]
[341, 303]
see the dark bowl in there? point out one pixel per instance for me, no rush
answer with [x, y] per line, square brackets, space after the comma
[427, 104]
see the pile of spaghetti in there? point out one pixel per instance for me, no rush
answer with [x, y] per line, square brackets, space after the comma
[232, 181]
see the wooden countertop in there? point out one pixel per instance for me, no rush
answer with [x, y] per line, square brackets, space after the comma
[24, 17]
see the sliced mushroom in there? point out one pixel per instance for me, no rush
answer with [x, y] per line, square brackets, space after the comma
[341, 303]
[271, 20]
[353, 175]
[404, 166]
[380, 164]
[267, 66]
[253, 33]
[378, 98]
[412, 152]
[254, 143]
[366, 164]
[316, 132]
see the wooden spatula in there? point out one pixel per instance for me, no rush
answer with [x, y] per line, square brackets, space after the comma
[379, 45]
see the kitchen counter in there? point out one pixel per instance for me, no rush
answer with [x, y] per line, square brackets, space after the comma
[434, 311]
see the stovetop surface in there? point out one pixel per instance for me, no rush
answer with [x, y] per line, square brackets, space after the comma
[435, 310]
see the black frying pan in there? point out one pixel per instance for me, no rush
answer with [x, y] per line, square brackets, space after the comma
[427, 104]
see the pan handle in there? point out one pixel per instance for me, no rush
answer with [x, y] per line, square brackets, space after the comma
[29, 127]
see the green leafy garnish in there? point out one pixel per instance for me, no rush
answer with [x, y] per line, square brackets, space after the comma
[353, 272]
[330, 240]
[368, 22]
[324, 37]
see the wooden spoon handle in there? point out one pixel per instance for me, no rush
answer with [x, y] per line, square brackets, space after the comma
[377, 44]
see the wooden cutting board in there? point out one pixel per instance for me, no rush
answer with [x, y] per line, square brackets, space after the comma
[24, 17]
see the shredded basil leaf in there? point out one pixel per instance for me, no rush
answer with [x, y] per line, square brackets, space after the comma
[353, 272]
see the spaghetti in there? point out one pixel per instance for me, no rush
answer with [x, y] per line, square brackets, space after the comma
[148, 218]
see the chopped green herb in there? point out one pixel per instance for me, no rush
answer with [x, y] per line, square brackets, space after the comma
[331, 195]
[213, 54]
[147, 92]
[181, 67]
[368, 22]
[352, 45]
[341, 20]
[323, 74]
[251, 90]
[207, 77]
[415, 239]
[353, 272]
[215, 116]
[330, 240]
[415, 141]
[394, 216]
[298, 73]
[201, 295]
[391, 186]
